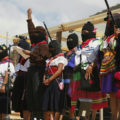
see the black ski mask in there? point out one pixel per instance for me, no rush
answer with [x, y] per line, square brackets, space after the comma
[72, 41]
[54, 48]
[87, 31]
[39, 37]
[3, 51]
[39, 34]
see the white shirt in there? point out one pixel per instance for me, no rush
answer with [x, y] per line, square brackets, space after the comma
[4, 68]
[23, 67]
[59, 59]
[88, 53]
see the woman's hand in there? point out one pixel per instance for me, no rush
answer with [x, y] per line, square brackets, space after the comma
[27, 52]
[54, 76]
[2, 89]
[88, 72]
[46, 82]
[29, 12]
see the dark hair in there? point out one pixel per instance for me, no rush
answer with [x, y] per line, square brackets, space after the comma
[110, 31]
[24, 44]
[110, 25]
[41, 29]
[55, 45]
[3, 51]
[38, 35]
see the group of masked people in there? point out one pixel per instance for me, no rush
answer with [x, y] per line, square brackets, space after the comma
[37, 84]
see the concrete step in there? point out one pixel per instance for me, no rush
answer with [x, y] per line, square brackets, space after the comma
[15, 116]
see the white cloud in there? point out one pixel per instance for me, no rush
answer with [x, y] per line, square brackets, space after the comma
[13, 13]
[12, 19]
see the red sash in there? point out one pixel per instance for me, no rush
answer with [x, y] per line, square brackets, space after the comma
[53, 69]
[109, 37]
[39, 43]
[86, 42]
[70, 51]
[4, 60]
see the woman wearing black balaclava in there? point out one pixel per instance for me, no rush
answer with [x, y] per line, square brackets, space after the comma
[88, 32]
[85, 61]
[38, 55]
[52, 97]
[72, 43]
[111, 64]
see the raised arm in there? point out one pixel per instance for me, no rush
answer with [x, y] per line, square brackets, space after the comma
[29, 12]
[31, 27]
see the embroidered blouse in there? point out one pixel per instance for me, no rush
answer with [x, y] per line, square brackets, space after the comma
[3, 69]
[59, 59]
[88, 51]
[108, 61]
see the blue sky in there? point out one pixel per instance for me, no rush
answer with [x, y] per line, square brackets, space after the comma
[13, 13]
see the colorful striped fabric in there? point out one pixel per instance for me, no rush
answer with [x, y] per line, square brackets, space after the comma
[99, 99]
[108, 63]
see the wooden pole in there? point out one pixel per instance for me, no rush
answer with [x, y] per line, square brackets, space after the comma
[101, 114]
[59, 36]
[96, 19]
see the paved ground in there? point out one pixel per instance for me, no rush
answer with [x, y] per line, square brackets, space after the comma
[15, 116]
[107, 114]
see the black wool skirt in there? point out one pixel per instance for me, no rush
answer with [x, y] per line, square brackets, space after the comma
[4, 100]
[35, 88]
[66, 103]
[18, 100]
[52, 98]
